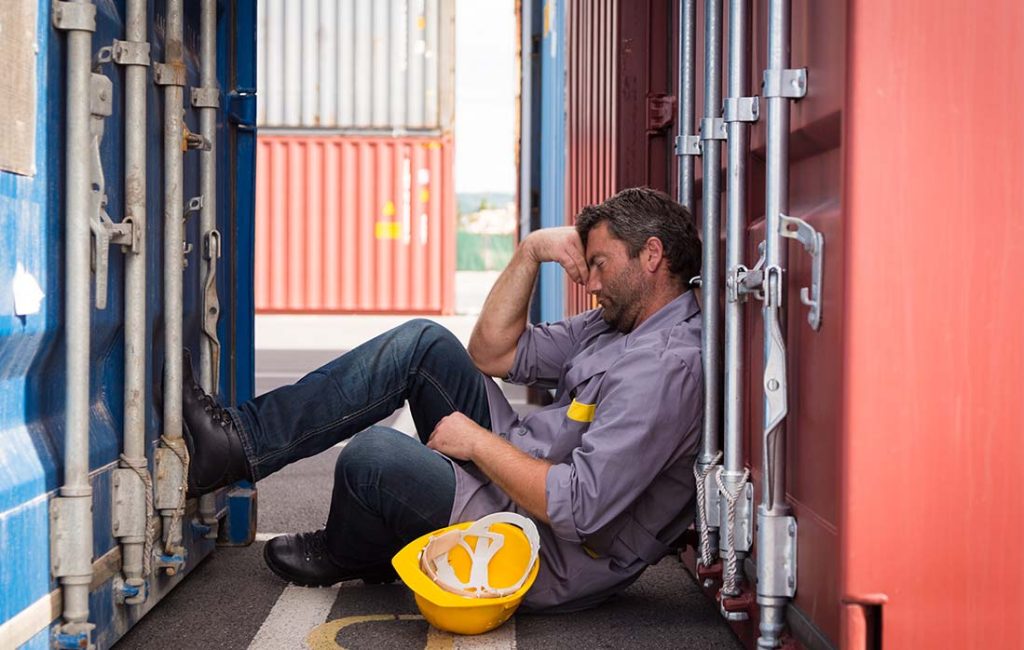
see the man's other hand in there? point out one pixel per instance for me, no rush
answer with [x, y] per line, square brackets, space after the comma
[456, 435]
[562, 245]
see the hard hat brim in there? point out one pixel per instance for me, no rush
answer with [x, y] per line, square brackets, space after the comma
[407, 564]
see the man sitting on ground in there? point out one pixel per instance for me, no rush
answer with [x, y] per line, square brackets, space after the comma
[605, 471]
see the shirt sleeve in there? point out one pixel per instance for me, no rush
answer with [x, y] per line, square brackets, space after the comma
[543, 349]
[646, 405]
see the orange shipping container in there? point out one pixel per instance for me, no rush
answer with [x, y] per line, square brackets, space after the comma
[355, 224]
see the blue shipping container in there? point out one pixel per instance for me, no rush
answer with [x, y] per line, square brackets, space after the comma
[32, 345]
[552, 152]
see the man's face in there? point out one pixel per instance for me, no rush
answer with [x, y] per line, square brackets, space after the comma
[615, 279]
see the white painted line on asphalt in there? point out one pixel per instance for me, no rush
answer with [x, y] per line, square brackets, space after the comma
[266, 537]
[504, 638]
[297, 611]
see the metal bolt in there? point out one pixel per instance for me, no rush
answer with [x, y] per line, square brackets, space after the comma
[792, 582]
[792, 529]
[773, 384]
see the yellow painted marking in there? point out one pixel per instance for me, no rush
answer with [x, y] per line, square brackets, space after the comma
[547, 17]
[325, 635]
[421, 22]
[388, 230]
[424, 195]
[581, 412]
[389, 209]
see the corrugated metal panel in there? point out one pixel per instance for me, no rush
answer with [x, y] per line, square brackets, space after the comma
[32, 363]
[356, 64]
[355, 224]
[619, 57]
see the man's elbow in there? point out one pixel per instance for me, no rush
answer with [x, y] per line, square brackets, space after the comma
[489, 361]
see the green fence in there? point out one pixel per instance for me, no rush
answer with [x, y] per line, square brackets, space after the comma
[483, 252]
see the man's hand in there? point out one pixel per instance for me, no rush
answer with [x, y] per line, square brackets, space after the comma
[456, 435]
[562, 245]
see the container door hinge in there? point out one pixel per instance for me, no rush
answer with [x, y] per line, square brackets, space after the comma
[741, 109]
[789, 83]
[814, 243]
[688, 145]
[242, 109]
[74, 16]
[661, 110]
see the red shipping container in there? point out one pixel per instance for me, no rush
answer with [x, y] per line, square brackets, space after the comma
[619, 104]
[903, 439]
[355, 224]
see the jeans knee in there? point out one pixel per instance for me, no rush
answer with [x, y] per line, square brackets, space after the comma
[367, 455]
[428, 332]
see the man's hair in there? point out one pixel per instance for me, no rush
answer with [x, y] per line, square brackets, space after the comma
[638, 213]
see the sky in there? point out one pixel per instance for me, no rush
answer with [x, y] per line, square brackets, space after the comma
[485, 95]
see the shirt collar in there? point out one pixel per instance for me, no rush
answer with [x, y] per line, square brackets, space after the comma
[680, 309]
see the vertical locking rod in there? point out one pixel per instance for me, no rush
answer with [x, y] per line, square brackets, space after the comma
[209, 345]
[133, 459]
[776, 534]
[687, 99]
[72, 511]
[170, 491]
[711, 272]
[735, 529]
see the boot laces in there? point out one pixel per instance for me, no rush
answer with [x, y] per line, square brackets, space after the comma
[314, 543]
[216, 411]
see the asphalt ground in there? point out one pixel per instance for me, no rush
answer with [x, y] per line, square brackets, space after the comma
[232, 600]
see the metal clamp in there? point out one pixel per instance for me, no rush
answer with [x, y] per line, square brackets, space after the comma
[713, 128]
[741, 109]
[208, 97]
[169, 74]
[74, 16]
[814, 243]
[130, 53]
[688, 145]
[790, 83]
[741, 281]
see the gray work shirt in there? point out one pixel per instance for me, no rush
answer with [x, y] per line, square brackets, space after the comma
[622, 436]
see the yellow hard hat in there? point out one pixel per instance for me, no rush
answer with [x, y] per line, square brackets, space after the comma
[470, 578]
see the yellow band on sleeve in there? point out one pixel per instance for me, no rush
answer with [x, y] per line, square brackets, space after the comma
[581, 412]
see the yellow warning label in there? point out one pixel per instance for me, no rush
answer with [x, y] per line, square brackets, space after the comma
[388, 230]
[389, 209]
[421, 22]
[424, 195]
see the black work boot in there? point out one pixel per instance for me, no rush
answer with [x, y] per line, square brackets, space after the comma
[216, 457]
[302, 559]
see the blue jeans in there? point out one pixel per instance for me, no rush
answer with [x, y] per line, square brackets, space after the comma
[388, 488]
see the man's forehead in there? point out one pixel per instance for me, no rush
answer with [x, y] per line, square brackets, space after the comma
[600, 240]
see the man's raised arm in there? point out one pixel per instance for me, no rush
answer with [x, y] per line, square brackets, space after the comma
[503, 318]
